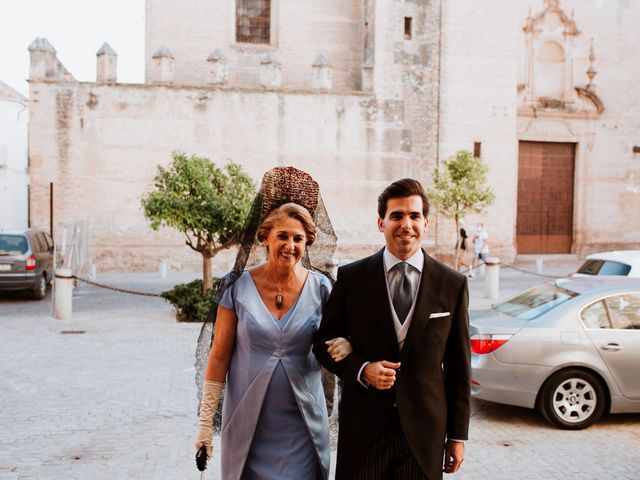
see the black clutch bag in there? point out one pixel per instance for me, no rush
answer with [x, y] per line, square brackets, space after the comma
[201, 458]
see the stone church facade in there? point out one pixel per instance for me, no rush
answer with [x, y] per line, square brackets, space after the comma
[358, 93]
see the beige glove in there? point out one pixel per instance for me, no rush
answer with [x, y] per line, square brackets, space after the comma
[338, 348]
[211, 392]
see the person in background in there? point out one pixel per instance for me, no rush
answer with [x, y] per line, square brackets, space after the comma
[480, 247]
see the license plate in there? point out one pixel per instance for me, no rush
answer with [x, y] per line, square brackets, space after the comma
[5, 268]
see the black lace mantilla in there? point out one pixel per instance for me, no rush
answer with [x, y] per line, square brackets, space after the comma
[279, 185]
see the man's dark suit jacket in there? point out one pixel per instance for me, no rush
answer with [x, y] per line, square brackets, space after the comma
[432, 389]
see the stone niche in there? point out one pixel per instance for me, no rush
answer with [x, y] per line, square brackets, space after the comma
[553, 45]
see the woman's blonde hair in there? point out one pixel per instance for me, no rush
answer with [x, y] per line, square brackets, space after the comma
[288, 210]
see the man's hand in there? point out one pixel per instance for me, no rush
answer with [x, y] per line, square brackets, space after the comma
[380, 375]
[453, 456]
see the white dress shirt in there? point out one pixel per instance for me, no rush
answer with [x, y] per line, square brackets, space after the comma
[394, 277]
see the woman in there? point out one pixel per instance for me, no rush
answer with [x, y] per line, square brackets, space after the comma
[274, 414]
[462, 254]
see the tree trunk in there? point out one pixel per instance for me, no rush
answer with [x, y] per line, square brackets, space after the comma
[207, 281]
[457, 258]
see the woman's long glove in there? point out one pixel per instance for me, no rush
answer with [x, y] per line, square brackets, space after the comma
[211, 392]
[338, 348]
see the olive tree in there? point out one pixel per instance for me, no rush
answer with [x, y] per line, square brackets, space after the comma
[206, 203]
[459, 188]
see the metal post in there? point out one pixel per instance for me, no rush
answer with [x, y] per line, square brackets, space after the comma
[51, 209]
[539, 265]
[492, 278]
[63, 307]
[163, 270]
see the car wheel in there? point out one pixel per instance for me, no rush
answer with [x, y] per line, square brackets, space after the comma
[572, 399]
[40, 290]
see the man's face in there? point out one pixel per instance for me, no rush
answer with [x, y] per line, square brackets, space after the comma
[403, 225]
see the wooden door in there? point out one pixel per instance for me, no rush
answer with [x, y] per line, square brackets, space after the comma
[545, 197]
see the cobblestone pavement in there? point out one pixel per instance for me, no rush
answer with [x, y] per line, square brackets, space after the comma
[118, 401]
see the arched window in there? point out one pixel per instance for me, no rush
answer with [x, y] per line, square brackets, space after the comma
[549, 71]
[253, 21]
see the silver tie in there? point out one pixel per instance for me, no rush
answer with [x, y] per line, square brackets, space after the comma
[402, 298]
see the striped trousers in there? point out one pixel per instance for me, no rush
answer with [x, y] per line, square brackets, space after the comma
[390, 457]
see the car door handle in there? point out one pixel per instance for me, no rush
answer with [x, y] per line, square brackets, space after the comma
[611, 347]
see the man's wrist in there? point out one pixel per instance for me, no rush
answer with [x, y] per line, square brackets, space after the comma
[360, 378]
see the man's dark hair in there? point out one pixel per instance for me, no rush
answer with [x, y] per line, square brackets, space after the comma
[407, 187]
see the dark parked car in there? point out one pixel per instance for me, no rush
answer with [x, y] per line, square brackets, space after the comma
[26, 261]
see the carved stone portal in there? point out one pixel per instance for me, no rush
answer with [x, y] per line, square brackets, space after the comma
[554, 47]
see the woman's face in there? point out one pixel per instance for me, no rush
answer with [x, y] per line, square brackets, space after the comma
[285, 242]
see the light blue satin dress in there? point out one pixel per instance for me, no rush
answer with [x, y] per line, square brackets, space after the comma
[274, 417]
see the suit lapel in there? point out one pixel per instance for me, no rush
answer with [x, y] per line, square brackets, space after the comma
[381, 311]
[424, 304]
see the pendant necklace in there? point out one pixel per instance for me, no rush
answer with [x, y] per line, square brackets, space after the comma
[279, 295]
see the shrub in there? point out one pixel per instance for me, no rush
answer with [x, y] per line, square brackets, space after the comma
[190, 303]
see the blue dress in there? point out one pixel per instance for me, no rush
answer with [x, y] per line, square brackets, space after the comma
[274, 416]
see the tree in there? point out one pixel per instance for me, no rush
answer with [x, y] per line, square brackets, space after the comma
[206, 203]
[460, 188]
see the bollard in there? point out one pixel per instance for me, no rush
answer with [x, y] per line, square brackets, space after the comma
[64, 294]
[539, 265]
[93, 271]
[492, 278]
[163, 270]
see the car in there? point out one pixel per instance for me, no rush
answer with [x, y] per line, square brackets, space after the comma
[618, 263]
[26, 261]
[570, 348]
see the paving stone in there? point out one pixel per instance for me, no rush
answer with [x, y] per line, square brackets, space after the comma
[119, 401]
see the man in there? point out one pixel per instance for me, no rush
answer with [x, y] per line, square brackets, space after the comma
[405, 403]
[480, 247]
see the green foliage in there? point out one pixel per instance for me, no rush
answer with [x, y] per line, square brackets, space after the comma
[190, 303]
[460, 186]
[208, 204]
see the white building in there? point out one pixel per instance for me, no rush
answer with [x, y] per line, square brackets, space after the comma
[14, 168]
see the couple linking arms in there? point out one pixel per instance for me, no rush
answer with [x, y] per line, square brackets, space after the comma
[404, 411]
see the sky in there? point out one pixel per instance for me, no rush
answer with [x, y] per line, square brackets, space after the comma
[76, 29]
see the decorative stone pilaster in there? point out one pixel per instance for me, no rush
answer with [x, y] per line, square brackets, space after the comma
[321, 73]
[162, 66]
[218, 69]
[367, 78]
[271, 71]
[107, 65]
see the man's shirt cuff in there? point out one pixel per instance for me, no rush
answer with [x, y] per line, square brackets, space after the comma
[361, 381]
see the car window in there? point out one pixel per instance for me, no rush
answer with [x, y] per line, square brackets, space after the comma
[604, 267]
[595, 316]
[13, 244]
[39, 243]
[47, 237]
[535, 301]
[625, 311]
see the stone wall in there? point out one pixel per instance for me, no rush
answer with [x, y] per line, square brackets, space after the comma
[101, 144]
[478, 104]
[301, 30]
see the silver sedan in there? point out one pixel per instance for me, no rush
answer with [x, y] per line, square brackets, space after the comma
[570, 348]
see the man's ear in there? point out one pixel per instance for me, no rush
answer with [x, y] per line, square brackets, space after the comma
[426, 224]
[380, 225]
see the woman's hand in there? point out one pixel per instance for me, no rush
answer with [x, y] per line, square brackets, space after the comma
[338, 348]
[205, 437]
[211, 391]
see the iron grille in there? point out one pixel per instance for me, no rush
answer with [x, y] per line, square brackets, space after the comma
[253, 21]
